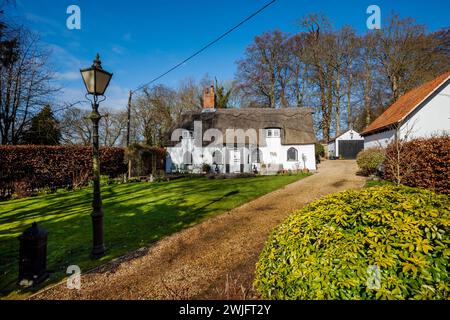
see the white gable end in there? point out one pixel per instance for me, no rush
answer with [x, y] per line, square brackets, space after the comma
[432, 118]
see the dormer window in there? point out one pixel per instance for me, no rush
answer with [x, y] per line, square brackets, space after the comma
[273, 133]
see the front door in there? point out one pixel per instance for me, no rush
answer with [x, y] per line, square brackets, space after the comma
[235, 160]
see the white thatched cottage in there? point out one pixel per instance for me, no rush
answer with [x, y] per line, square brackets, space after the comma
[242, 140]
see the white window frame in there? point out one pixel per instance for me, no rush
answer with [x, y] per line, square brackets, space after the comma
[273, 133]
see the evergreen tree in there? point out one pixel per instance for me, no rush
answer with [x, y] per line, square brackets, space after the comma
[222, 96]
[44, 129]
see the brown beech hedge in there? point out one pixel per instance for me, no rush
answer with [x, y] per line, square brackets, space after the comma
[424, 163]
[27, 168]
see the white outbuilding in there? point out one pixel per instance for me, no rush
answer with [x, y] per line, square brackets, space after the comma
[346, 145]
[420, 113]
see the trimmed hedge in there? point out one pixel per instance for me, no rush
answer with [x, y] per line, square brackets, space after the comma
[425, 163]
[326, 250]
[370, 160]
[27, 168]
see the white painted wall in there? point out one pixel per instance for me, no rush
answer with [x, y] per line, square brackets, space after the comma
[274, 155]
[433, 118]
[333, 147]
[377, 140]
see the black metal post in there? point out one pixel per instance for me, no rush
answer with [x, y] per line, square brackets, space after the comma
[98, 249]
[130, 97]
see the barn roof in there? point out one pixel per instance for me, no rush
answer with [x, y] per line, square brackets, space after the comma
[296, 123]
[406, 104]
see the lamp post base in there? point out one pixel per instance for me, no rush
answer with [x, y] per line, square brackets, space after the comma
[98, 249]
[98, 252]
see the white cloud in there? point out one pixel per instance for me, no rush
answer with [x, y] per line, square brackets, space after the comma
[118, 49]
[116, 97]
[68, 75]
[66, 58]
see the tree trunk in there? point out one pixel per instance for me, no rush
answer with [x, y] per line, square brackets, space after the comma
[349, 104]
[367, 90]
[338, 105]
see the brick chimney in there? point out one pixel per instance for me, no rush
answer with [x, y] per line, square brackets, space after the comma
[209, 99]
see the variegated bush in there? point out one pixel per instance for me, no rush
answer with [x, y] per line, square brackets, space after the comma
[327, 249]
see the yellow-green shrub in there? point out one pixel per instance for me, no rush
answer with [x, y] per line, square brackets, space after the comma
[325, 250]
[370, 160]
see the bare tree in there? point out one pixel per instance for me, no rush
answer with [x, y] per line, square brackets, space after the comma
[153, 111]
[346, 53]
[263, 73]
[25, 82]
[366, 73]
[329, 69]
[112, 127]
[320, 42]
[405, 54]
[187, 98]
[76, 127]
[398, 153]
[299, 67]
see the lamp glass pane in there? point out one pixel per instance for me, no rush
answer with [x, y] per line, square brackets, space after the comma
[89, 80]
[102, 81]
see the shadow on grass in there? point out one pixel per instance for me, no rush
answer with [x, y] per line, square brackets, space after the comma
[136, 215]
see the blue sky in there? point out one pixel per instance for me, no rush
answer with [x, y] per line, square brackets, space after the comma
[138, 40]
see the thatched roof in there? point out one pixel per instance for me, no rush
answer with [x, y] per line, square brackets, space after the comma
[296, 124]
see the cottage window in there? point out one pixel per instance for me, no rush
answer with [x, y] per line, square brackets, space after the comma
[273, 133]
[292, 154]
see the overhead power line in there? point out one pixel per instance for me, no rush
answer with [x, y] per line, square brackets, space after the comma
[130, 97]
[206, 46]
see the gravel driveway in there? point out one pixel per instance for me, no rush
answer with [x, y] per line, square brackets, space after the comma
[214, 259]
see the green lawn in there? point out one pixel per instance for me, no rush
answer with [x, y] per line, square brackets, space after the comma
[380, 183]
[135, 215]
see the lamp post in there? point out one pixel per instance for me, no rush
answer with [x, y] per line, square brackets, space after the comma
[96, 81]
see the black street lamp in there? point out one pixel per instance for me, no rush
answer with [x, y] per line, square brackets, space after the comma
[96, 81]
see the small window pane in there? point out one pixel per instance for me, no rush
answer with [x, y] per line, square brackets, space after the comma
[292, 154]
